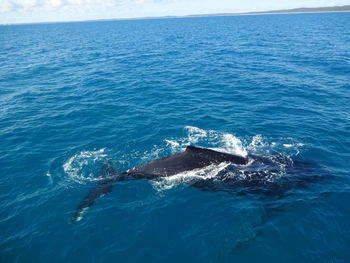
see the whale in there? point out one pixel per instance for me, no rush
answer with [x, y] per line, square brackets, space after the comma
[255, 173]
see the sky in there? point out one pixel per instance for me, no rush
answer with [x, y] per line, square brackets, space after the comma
[31, 11]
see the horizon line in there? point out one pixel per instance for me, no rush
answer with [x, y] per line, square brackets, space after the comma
[298, 10]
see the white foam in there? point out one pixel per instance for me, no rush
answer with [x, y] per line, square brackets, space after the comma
[258, 142]
[224, 142]
[174, 145]
[195, 134]
[233, 145]
[80, 167]
[187, 177]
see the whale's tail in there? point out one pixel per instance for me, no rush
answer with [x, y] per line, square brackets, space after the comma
[102, 188]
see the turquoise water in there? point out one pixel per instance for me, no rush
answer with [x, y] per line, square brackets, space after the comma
[76, 95]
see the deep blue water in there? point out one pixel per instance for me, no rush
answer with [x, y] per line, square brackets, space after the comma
[76, 95]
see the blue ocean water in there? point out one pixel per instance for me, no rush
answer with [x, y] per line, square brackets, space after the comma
[76, 95]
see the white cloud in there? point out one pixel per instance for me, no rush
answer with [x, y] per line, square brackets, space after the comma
[5, 6]
[13, 5]
[56, 3]
[20, 5]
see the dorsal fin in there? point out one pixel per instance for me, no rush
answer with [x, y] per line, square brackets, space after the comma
[196, 149]
[191, 148]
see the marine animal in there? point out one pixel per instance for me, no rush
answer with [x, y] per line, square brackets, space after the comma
[250, 173]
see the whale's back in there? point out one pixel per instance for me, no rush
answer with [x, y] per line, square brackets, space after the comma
[192, 158]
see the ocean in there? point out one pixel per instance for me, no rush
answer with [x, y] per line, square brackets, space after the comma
[74, 96]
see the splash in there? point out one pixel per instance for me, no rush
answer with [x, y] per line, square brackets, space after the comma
[174, 145]
[215, 140]
[285, 146]
[232, 144]
[258, 142]
[195, 134]
[83, 166]
[188, 177]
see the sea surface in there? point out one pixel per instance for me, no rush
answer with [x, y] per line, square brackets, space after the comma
[74, 96]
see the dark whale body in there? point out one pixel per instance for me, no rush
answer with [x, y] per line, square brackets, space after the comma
[255, 174]
[192, 158]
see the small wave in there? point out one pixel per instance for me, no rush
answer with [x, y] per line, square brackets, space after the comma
[82, 167]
